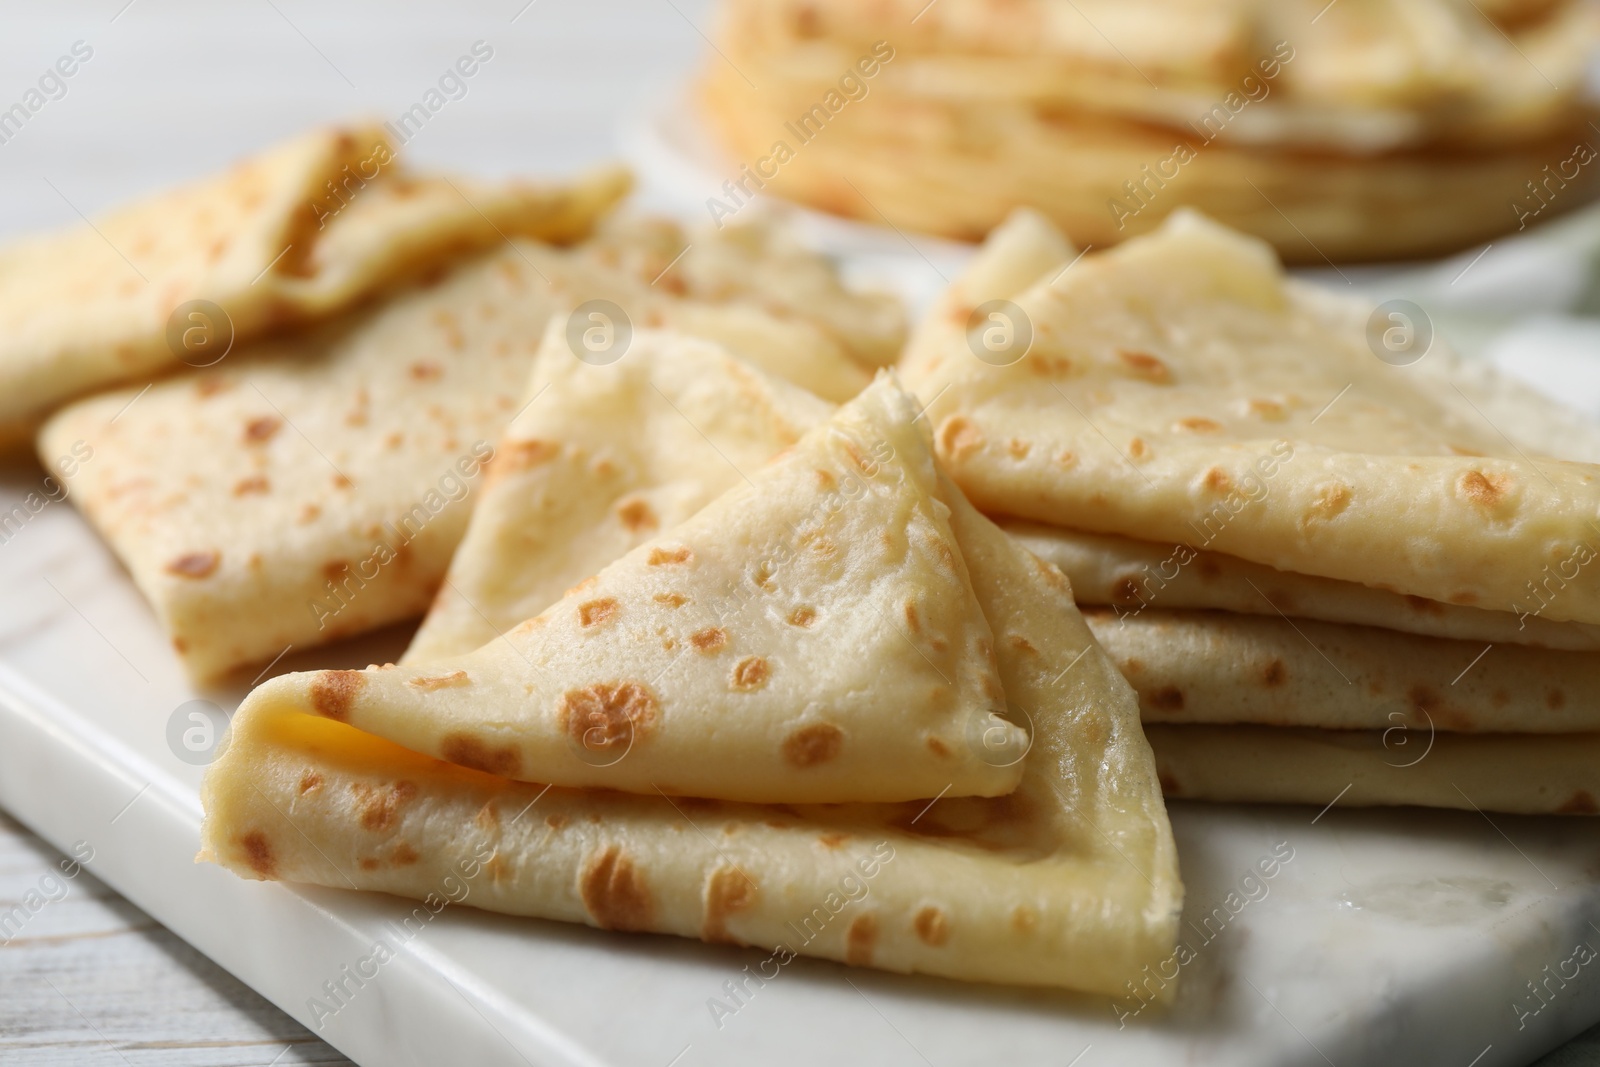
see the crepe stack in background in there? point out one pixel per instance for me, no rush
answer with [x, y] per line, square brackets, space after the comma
[1398, 128]
[841, 626]
[1326, 574]
[313, 485]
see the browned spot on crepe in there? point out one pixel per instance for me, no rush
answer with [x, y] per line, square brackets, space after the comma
[1485, 490]
[380, 806]
[468, 750]
[750, 673]
[1274, 674]
[604, 716]
[861, 940]
[442, 681]
[802, 616]
[260, 430]
[637, 516]
[812, 745]
[195, 564]
[258, 854]
[728, 890]
[595, 612]
[614, 891]
[661, 556]
[711, 639]
[334, 692]
[1144, 365]
[958, 437]
[932, 926]
[1167, 698]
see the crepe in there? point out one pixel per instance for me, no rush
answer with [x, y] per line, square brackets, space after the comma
[1218, 667]
[292, 234]
[1365, 78]
[1070, 881]
[1180, 388]
[956, 169]
[601, 459]
[758, 262]
[1532, 774]
[313, 487]
[811, 635]
[1131, 576]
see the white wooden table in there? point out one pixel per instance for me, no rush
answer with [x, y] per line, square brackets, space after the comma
[179, 87]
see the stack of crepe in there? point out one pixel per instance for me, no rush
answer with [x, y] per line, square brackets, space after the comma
[706, 655]
[1382, 129]
[1329, 575]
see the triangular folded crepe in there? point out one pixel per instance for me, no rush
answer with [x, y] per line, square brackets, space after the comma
[291, 234]
[1531, 774]
[313, 487]
[811, 635]
[1180, 388]
[1218, 667]
[601, 459]
[1070, 881]
[1132, 576]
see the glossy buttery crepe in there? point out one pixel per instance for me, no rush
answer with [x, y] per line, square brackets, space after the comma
[1132, 576]
[1070, 881]
[1180, 388]
[314, 487]
[811, 635]
[292, 234]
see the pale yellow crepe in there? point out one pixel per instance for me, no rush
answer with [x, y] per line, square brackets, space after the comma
[289, 235]
[313, 487]
[1132, 576]
[601, 459]
[1218, 667]
[1180, 388]
[1531, 774]
[758, 262]
[810, 635]
[1070, 881]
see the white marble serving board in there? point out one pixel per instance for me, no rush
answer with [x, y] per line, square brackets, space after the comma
[1388, 937]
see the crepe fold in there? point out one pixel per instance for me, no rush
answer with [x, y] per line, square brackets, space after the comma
[1131, 575]
[1069, 881]
[290, 235]
[314, 486]
[1529, 774]
[1179, 388]
[1218, 667]
[811, 635]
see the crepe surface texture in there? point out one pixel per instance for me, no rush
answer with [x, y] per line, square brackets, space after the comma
[1528, 774]
[290, 235]
[1132, 576]
[314, 486]
[600, 459]
[1179, 388]
[1071, 881]
[1219, 667]
[811, 635]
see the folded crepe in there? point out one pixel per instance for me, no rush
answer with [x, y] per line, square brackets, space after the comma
[1070, 881]
[292, 234]
[1530, 774]
[1180, 388]
[599, 460]
[1131, 576]
[313, 487]
[1219, 667]
[811, 635]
